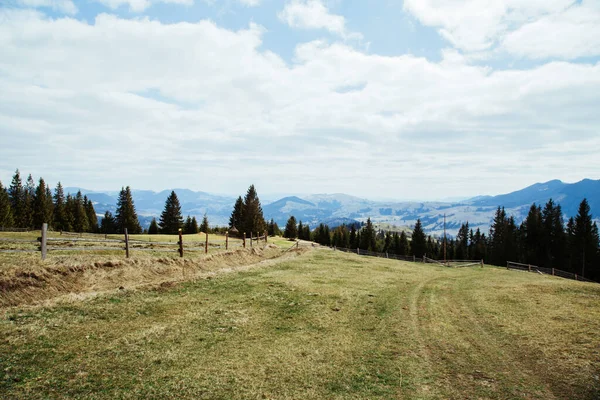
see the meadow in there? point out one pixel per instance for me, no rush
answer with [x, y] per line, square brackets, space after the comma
[309, 323]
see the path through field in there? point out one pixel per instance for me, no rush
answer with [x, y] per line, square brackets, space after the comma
[320, 325]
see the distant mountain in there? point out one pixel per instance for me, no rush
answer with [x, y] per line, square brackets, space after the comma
[336, 209]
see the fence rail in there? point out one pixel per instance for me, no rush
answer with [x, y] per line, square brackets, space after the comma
[70, 241]
[547, 271]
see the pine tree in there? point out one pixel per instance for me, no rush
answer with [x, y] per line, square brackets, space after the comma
[387, 246]
[554, 244]
[6, 217]
[367, 237]
[126, 217]
[532, 235]
[194, 228]
[462, 242]
[171, 219]
[187, 225]
[403, 250]
[204, 227]
[69, 217]
[300, 230]
[585, 240]
[306, 234]
[108, 224]
[80, 214]
[153, 228]
[59, 209]
[237, 215]
[17, 199]
[28, 206]
[90, 213]
[252, 214]
[353, 239]
[273, 229]
[42, 206]
[291, 229]
[418, 243]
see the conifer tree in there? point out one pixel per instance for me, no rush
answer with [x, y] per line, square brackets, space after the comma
[80, 215]
[28, 206]
[171, 219]
[17, 199]
[273, 229]
[59, 209]
[126, 216]
[353, 239]
[306, 234]
[187, 225]
[108, 224]
[387, 246]
[69, 217]
[237, 215]
[204, 227]
[418, 244]
[291, 229]
[6, 217]
[252, 214]
[462, 243]
[42, 206]
[90, 213]
[153, 228]
[300, 230]
[194, 227]
[585, 240]
[554, 244]
[367, 237]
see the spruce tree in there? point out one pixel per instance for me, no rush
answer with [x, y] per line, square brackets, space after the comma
[353, 238]
[171, 219]
[462, 243]
[69, 218]
[204, 227]
[153, 228]
[236, 219]
[80, 214]
[59, 209]
[253, 220]
[6, 217]
[418, 244]
[585, 240]
[291, 229]
[367, 237]
[28, 206]
[306, 234]
[194, 228]
[90, 212]
[300, 230]
[17, 199]
[108, 224]
[554, 244]
[187, 225]
[273, 229]
[42, 206]
[126, 217]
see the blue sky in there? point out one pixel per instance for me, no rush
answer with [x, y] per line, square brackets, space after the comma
[421, 99]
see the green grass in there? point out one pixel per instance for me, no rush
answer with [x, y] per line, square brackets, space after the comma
[320, 325]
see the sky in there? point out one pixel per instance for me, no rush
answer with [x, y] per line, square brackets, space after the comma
[413, 99]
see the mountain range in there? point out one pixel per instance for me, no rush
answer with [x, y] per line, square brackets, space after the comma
[337, 209]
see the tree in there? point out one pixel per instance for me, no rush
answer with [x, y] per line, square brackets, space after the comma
[236, 219]
[42, 206]
[6, 217]
[301, 231]
[153, 228]
[90, 213]
[273, 229]
[59, 209]
[291, 229]
[171, 219]
[418, 244]
[585, 241]
[532, 236]
[17, 199]
[353, 237]
[204, 227]
[108, 224]
[462, 243]
[252, 214]
[554, 244]
[306, 234]
[126, 217]
[367, 237]
[77, 207]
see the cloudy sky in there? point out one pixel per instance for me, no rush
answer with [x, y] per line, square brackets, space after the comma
[413, 99]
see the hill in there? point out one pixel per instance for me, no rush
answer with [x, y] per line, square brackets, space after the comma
[315, 324]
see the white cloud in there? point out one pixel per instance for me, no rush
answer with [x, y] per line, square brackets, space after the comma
[140, 5]
[528, 28]
[64, 6]
[312, 14]
[250, 3]
[195, 105]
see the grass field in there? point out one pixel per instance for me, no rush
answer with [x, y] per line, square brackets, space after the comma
[313, 324]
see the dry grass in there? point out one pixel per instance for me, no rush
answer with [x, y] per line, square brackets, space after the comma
[317, 325]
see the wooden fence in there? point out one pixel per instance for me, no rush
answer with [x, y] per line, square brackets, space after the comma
[70, 241]
[546, 271]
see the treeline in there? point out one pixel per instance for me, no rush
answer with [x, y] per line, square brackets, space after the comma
[542, 239]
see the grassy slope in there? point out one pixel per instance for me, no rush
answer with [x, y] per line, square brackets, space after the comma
[322, 325]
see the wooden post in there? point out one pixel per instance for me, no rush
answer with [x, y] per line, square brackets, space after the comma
[251, 239]
[529, 267]
[414, 259]
[482, 263]
[180, 243]
[227, 240]
[575, 276]
[244, 239]
[266, 237]
[507, 265]
[206, 244]
[126, 244]
[386, 255]
[44, 240]
[358, 251]
[552, 271]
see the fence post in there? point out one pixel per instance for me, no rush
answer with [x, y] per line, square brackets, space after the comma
[529, 267]
[227, 240]
[414, 258]
[552, 271]
[44, 247]
[180, 243]
[575, 276]
[206, 244]
[126, 244]
[358, 251]
[482, 263]
[244, 239]
[507, 265]
[266, 237]
[251, 239]
[386, 255]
